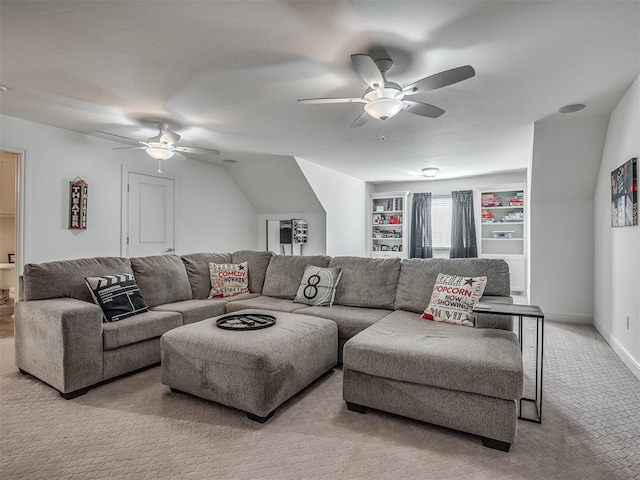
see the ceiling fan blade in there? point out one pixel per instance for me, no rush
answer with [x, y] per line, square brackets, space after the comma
[130, 148]
[331, 100]
[127, 139]
[422, 109]
[439, 80]
[361, 120]
[368, 70]
[197, 151]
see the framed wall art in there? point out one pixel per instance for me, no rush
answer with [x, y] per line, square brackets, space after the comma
[624, 194]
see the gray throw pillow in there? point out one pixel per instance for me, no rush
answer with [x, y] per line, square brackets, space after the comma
[318, 286]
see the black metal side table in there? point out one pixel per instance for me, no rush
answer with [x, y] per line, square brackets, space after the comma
[521, 311]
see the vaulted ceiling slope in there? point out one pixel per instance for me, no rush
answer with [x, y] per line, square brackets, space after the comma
[228, 74]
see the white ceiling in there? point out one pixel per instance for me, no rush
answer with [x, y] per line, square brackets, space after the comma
[226, 74]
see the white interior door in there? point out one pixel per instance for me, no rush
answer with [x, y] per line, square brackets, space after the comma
[150, 219]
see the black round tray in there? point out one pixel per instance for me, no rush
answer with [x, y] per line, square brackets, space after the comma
[246, 321]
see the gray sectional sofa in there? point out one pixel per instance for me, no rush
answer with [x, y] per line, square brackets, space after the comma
[463, 378]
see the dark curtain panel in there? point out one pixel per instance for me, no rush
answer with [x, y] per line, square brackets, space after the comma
[421, 238]
[463, 228]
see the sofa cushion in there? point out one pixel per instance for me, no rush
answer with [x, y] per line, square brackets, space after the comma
[453, 299]
[318, 286]
[66, 278]
[284, 273]
[118, 296]
[264, 303]
[402, 346]
[194, 310]
[229, 279]
[197, 265]
[350, 320]
[367, 282]
[418, 276]
[138, 328]
[162, 279]
[258, 263]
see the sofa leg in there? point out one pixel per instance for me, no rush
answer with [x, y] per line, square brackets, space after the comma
[354, 407]
[23, 372]
[256, 418]
[74, 394]
[496, 444]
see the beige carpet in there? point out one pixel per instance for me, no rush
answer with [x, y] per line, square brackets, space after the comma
[134, 428]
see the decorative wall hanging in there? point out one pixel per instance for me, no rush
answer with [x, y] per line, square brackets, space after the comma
[624, 194]
[78, 204]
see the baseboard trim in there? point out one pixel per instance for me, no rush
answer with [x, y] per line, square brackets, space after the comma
[631, 363]
[568, 318]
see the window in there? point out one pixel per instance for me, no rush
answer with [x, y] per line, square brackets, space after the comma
[441, 221]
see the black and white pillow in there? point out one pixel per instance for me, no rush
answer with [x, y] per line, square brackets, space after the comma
[318, 286]
[117, 295]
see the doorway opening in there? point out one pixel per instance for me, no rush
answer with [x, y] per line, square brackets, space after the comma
[9, 254]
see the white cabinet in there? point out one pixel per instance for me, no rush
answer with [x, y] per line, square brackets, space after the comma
[388, 225]
[502, 228]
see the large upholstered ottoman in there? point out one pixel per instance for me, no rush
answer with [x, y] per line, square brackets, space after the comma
[256, 370]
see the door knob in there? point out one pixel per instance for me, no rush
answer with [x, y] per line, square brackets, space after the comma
[169, 250]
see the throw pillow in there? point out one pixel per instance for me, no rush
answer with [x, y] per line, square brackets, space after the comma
[318, 286]
[228, 279]
[117, 295]
[453, 299]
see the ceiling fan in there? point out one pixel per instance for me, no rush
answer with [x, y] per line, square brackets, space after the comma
[384, 99]
[162, 146]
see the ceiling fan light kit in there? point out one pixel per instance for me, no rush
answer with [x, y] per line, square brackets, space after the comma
[159, 153]
[383, 99]
[383, 108]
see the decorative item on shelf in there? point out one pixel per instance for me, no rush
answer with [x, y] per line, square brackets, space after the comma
[78, 189]
[377, 219]
[379, 208]
[487, 216]
[299, 230]
[394, 220]
[513, 216]
[624, 194]
[518, 200]
[490, 200]
[12, 257]
[503, 234]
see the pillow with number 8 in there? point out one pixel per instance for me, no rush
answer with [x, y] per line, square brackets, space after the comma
[318, 286]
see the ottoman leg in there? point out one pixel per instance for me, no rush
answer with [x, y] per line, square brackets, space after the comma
[259, 419]
[354, 407]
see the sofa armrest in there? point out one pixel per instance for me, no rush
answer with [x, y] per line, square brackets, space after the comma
[59, 341]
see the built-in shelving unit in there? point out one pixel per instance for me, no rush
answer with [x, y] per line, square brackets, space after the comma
[388, 225]
[502, 228]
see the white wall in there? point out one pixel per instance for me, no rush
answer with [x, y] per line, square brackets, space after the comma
[316, 238]
[212, 212]
[566, 157]
[445, 187]
[617, 250]
[344, 199]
